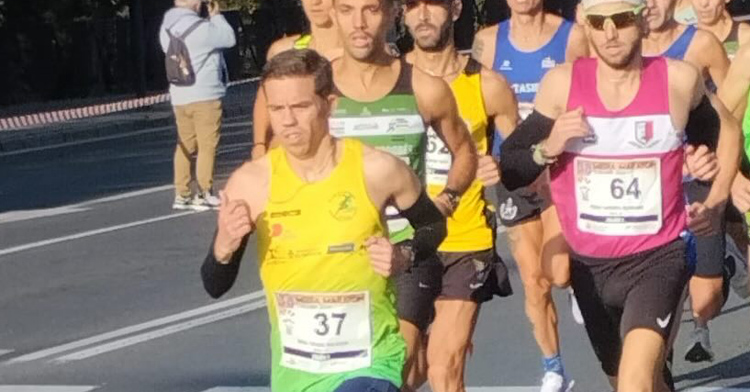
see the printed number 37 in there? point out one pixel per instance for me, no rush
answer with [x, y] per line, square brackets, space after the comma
[323, 319]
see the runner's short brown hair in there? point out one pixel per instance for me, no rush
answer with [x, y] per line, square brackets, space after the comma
[301, 63]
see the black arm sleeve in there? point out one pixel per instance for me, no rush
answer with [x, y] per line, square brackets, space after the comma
[218, 278]
[517, 165]
[703, 125]
[429, 226]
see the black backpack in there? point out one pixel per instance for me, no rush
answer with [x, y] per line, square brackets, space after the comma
[177, 60]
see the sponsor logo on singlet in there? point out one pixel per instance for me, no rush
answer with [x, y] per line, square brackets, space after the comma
[505, 66]
[548, 62]
[644, 134]
[520, 88]
[342, 206]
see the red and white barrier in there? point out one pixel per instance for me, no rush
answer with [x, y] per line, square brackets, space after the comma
[29, 120]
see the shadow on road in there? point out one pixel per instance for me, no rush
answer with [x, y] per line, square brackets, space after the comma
[734, 368]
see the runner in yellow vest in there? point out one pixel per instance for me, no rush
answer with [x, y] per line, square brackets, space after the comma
[331, 305]
[468, 254]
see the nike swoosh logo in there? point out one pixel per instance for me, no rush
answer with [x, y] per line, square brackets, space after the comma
[663, 323]
[423, 286]
[475, 286]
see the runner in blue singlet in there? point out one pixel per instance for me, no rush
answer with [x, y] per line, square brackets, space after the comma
[516, 49]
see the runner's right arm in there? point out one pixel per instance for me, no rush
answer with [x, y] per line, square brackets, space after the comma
[710, 55]
[734, 91]
[236, 222]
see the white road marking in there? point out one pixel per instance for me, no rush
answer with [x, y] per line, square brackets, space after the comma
[136, 328]
[5, 352]
[15, 216]
[169, 330]
[112, 137]
[46, 388]
[90, 233]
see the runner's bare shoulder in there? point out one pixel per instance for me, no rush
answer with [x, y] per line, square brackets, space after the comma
[684, 78]
[250, 183]
[281, 45]
[385, 174]
[552, 97]
[483, 48]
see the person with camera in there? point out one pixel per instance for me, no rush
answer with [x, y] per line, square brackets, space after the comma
[197, 74]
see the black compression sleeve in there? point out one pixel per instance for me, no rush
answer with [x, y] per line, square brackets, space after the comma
[218, 278]
[703, 125]
[429, 226]
[517, 165]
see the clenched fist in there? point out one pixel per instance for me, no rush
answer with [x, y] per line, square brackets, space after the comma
[701, 163]
[487, 170]
[569, 126]
[385, 258]
[234, 224]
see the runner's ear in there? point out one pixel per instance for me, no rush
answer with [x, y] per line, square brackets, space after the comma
[333, 101]
[456, 9]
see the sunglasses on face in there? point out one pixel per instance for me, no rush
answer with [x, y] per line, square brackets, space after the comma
[621, 20]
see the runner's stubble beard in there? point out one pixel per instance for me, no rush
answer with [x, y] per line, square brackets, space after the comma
[624, 61]
[430, 44]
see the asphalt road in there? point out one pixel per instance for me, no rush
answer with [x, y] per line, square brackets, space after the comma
[100, 290]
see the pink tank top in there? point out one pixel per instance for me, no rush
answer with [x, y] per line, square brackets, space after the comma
[619, 191]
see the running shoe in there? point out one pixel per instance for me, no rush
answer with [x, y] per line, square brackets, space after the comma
[700, 349]
[182, 202]
[574, 309]
[738, 281]
[554, 382]
[205, 201]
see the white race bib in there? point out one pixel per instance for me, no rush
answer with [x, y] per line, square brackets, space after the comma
[617, 197]
[438, 159]
[325, 332]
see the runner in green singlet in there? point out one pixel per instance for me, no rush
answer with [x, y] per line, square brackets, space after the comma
[389, 104]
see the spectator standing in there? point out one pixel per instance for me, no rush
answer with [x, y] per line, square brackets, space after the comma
[198, 106]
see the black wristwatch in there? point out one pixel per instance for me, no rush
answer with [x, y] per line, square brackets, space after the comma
[453, 197]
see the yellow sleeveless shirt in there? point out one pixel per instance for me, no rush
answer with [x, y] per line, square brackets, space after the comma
[467, 228]
[332, 317]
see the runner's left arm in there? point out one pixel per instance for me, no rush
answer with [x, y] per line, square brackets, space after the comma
[390, 180]
[438, 108]
[734, 91]
[710, 124]
[578, 44]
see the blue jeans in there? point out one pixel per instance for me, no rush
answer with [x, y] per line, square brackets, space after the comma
[367, 384]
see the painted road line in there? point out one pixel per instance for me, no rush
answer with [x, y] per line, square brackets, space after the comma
[136, 328]
[15, 216]
[5, 352]
[113, 137]
[46, 388]
[90, 233]
[166, 331]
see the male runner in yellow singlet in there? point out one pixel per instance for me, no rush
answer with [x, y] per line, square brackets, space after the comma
[325, 259]
[467, 254]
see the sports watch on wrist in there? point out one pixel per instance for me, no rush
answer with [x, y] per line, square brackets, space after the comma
[452, 196]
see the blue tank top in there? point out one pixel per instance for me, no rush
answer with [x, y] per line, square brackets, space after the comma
[524, 70]
[680, 46]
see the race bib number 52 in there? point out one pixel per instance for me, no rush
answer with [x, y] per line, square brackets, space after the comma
[618, 197]
[324, 332]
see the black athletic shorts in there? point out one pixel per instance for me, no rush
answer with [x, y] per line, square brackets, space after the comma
[618, 295]
[710, 249]
[518, 206]
[417, 290]
[474, 276]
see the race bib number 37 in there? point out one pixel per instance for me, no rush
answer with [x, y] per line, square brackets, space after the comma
[324, 332]
[618, 197]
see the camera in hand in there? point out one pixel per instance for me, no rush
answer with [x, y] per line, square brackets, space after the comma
[203, 12]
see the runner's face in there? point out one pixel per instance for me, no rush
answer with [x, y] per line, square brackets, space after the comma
[658, 13]
[318, 12]
[524, 7]
[616, 47]
[362, 25]
[430, 23]
[298, 116]
[709, 11]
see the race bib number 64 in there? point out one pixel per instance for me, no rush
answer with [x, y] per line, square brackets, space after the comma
[324, 332]
[618, 197]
